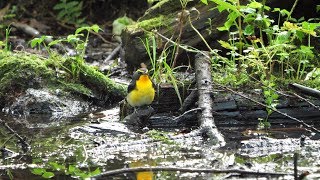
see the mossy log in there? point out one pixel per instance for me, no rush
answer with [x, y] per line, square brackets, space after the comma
[20, 71]
[165, 18]
[107, 90]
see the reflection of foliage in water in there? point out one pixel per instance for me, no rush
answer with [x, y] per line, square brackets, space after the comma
[57, 153]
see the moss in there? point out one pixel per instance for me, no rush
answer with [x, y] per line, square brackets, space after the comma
[75, 88]
[19, 71]
[90, 77]
[153, 23]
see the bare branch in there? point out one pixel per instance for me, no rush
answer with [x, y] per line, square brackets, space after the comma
[181, 169]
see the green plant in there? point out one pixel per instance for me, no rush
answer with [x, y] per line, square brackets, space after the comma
[77, 43]
[260, 47]
[271, 100]
[119, 25]
[42, 172]
[257, 55]
[160, 136]
[70, 12]
[161, 70]
[5, 44]
[71, 170]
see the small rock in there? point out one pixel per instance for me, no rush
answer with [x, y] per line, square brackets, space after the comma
[43, 101]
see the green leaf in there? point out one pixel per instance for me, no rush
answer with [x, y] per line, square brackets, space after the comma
[226, 45]
[310, 26]
[35, 41]
[82, 175]
[255, 5]
[275, 96]
[52, 43]
[61, 14]
[95, 172]
[248, 10]
[205, 2]
[249, 30]
[59, 6]
[318, 8]
[81, 29]
[47, 175]
[71, 4]
[73, 37]
[231, 20]
[95, 28]
[249, 18]
[226, 5]
[284, 12]
[282, 37]
[71, 169]
[38, 171]
[276, 10]
[56, 166]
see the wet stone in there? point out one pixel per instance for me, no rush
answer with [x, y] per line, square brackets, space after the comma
[44, 101]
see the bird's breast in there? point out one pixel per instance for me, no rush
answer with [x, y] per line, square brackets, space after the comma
[143, 94]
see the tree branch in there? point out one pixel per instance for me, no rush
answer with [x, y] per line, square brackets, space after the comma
[181, 169]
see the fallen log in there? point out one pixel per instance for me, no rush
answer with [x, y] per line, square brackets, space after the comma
[233, 113]
[205, 101]
[239, 172]
[167, 23]
[305, 90]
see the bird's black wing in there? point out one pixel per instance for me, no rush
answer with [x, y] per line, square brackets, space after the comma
[131, 86]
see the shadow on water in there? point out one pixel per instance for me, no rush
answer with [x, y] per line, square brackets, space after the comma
[88, 145]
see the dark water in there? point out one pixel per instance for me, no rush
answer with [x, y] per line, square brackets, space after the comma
[86, 146]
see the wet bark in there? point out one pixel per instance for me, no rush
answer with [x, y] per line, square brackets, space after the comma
[233, 113]
[205, 101]
[306, 90]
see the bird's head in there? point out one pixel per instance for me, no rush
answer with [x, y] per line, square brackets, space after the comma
[142, 71]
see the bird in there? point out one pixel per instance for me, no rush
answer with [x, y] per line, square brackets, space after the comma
[141, 90]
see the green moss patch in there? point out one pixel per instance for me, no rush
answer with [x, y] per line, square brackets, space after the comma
[20, 71]
[152, 23]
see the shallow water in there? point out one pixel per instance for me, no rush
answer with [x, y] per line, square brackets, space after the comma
[91, 144]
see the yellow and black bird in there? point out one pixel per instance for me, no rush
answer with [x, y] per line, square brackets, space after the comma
[141, 90]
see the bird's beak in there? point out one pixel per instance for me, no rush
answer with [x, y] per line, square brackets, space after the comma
[143, 70]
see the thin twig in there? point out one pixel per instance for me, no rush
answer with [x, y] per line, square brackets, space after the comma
[295, 165]
[306, 90]
[273, 109]
[86, 154]
[273, 89]
[5, 142]
[185, 113]
[184, 47]
[113, 53]
[200, 35]
[26, 144]
[181, 169]
[292, 9]
[306, 100]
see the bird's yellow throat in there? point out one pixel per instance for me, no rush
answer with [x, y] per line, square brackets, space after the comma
[143, 93]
